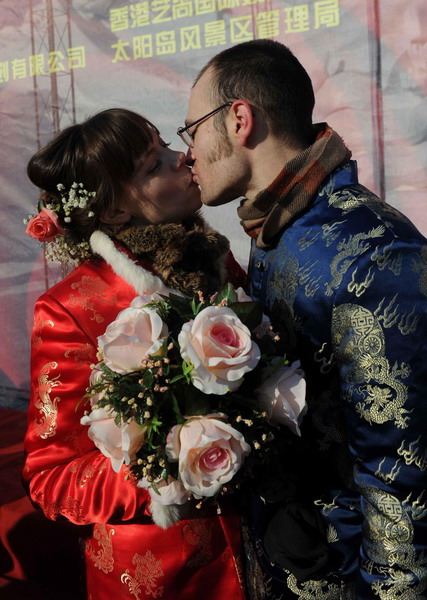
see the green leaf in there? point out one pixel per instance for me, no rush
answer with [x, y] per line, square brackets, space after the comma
[177, 378]
[186, 369]
[148, 378]
[180, 305]
[196, 403]
[228, 293]
[175, 405]
[250, 313]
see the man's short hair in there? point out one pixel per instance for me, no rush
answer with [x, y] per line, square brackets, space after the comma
[266, 74]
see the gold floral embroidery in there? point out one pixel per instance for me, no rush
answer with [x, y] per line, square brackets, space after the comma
[90, 289]
[74, 439]
[70, 508]
[47, 425]
[147, 571]
[331, 534]
[87, 472]
[198, 534]
[102, 556]
[36, 339]
[83, 354]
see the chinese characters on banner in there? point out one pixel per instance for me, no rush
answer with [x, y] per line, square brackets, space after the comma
[148, 23]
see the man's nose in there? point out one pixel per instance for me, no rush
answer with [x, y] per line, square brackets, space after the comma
[189, 159]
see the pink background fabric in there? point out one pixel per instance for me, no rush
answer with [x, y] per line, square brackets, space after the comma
[61, 61]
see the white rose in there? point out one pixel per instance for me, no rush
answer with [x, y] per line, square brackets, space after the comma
[209, 453]
[282, 396]
[220, 348]
[132, 337]
[141, 301]
[119, 444]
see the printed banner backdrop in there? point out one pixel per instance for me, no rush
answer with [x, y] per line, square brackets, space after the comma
[61, 61]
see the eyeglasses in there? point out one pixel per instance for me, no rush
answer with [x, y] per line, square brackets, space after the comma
[184, 133]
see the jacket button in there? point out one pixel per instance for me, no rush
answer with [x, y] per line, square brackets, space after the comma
[260, 265]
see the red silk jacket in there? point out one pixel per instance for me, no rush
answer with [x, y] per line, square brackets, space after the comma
[127, 555]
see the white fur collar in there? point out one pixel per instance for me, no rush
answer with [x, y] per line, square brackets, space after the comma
[139, 278]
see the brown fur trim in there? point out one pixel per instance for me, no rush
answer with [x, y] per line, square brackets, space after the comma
[188, 257]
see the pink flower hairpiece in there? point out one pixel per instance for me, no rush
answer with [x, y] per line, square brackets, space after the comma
[44, 226]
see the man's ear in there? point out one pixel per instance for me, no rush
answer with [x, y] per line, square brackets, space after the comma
[115, 216]
[242, 121]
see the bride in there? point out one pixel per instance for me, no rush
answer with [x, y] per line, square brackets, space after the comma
[120, 207]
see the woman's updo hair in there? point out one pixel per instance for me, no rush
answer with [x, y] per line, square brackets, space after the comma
[100, 153]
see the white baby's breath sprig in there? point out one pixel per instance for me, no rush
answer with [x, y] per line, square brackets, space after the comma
[76, 197]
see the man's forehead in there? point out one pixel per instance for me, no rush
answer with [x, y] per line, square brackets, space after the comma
[199, 97]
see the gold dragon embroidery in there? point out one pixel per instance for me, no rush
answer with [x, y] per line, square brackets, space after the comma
[359, 342]
[390, 545]
[314, 590]
[387, 257]
[102, 557]
[147, 571]
[412, 455]
[358, 288]
[390, 315]
[46, 426]
[348, 251]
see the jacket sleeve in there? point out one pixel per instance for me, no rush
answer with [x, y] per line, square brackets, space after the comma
[379, 330]
[65, 473]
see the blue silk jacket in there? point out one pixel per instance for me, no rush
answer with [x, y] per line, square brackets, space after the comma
[346, 287]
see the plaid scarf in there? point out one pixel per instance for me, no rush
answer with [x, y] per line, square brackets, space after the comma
[291, 192]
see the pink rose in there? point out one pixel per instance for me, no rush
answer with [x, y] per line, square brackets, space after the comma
[282, 396]
[209, 452]
[220, 348]
[132, 337]
[119, 444]
[44, 226]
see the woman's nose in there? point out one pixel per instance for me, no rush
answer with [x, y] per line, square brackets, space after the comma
[180, 160]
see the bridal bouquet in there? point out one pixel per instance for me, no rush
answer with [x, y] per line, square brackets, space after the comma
[186, 392]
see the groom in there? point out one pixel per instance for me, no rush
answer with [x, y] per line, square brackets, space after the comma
[343, 277]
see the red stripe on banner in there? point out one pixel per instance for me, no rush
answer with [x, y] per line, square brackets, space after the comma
[374, 37]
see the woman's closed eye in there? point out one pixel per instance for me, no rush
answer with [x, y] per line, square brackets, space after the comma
[155, 167]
